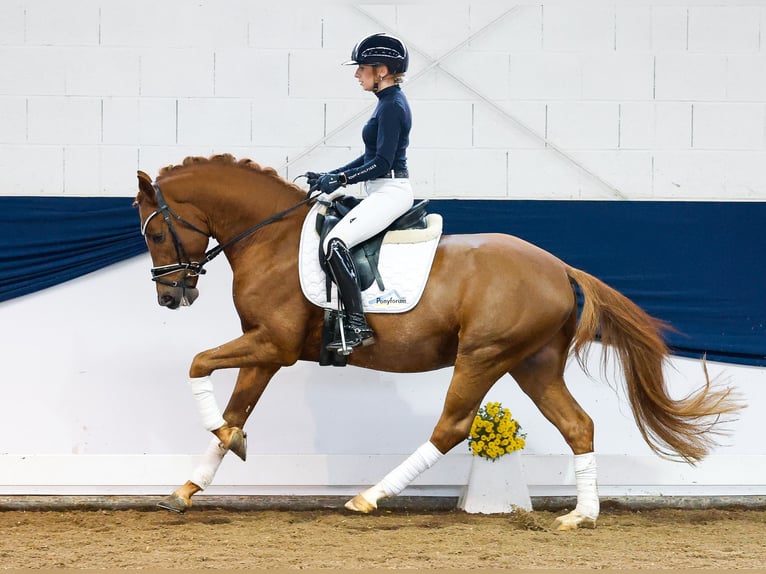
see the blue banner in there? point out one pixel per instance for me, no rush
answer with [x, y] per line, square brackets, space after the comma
[696, 265]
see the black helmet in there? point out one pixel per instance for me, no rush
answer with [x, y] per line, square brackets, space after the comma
[381, 49]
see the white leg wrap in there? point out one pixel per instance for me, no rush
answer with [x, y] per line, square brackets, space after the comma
[202, 389]
[587, 487]
[418, 462]
[205, 472]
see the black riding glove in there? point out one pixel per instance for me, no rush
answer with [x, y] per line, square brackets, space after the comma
[329, 182]
[312, 178]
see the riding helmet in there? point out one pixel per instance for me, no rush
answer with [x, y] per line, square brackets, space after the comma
[380, 49]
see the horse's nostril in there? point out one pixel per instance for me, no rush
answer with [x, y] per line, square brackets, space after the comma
[166, 300]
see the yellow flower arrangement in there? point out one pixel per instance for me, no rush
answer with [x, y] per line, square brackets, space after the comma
[495, 432]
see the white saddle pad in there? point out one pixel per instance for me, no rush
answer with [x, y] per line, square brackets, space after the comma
[405, 262]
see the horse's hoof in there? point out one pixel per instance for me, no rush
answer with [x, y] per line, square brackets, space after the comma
[573, 521]
[175, 503]
[360, 504]
[238, 443]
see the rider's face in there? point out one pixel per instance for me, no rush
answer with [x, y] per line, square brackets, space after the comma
[367, 75]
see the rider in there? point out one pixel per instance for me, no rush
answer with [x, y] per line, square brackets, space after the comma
[381, 62]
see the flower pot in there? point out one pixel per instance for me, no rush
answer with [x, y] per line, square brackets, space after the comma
[497, 486]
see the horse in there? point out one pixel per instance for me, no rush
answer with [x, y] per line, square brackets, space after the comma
[493, 304]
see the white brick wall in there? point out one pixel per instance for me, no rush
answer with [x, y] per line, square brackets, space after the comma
[658, 99]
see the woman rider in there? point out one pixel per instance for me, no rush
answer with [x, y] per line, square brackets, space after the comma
[381, 62]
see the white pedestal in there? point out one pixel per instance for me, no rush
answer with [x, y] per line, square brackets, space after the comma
[496, 487]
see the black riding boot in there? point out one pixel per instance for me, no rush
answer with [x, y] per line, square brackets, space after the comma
[355, 329]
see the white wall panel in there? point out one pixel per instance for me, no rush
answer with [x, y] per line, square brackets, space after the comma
[435, 29]
[12, 22]
[32, 71]
[729, 126]
[148, 121]
[177, 72]
[519, 30]
[618, 76]
[64, 120]
[32, 170]
[725, 29]
[285, 25]
[710, 175]
[578, 27]
[494, 129]
[174, 23]
[100, 170]
[101, 72]
[545, 174]
[443, 124]
[54, 23]
[292, 122]
[633, 27]
[455, 173]
[669, 28]
[686, 77]
[746, 78]
[628, 171]
[583, 125]
[13, 119]
[250, 73]
[209, 121]
[545, 76]
[490, 80]
[658, 126]
[319, 74]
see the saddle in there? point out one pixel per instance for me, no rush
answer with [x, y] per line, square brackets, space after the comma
[367, 254]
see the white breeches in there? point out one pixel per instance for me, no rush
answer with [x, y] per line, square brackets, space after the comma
[386, 200]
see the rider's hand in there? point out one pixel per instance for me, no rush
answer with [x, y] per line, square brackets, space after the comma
[329, 182]
[312, 177]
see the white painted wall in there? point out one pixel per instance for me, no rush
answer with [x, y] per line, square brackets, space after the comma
[640, 100]
[649, 100]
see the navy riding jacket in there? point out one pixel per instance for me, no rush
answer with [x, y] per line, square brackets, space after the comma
[386, 136]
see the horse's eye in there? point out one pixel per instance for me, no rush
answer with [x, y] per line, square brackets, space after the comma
[157, 237]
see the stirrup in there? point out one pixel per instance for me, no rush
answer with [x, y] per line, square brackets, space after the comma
[351, 336]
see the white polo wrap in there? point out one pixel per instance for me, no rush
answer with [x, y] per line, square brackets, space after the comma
[202, 389]
[587, 487]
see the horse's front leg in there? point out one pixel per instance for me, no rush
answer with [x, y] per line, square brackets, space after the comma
[251, 382]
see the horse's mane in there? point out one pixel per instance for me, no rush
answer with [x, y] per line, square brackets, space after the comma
[230, 160]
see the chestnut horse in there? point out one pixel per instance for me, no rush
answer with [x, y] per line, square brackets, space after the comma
[494, 304]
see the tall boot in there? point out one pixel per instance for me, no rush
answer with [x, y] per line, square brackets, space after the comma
[355, 329]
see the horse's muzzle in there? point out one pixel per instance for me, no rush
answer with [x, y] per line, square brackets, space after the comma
[177, 297]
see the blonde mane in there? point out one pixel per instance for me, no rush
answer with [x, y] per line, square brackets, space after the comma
[226, 159]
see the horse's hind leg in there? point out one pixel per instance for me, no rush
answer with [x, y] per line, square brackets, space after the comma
[251, 382]
[541, 377]
[470, 382]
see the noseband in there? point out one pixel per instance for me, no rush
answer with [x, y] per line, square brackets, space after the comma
[190, 268]
[196, 268]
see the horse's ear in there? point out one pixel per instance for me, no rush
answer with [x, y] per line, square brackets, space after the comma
[145, 185]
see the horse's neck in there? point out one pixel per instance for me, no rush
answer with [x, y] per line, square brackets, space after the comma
[238, 202]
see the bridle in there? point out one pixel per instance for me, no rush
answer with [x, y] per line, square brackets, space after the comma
[193, 269]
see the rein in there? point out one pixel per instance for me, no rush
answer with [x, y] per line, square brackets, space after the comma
[195, 268]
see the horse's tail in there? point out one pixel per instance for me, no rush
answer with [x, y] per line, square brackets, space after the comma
[671, 427]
